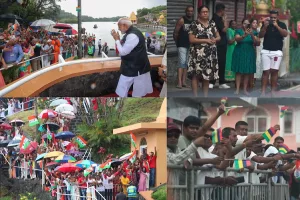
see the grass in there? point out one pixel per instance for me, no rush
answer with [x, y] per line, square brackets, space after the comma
[6, 198]
[137, 110]
[160, 194]
[24, 117]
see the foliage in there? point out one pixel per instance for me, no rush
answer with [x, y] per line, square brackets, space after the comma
[155, 10]
[126, 112]
[36, 9]
[66, 17]
[28, 196]
[160, 194]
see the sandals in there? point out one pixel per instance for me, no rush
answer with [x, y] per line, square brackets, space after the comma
[185, 86]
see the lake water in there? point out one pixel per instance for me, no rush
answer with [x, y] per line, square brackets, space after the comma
[102, 32]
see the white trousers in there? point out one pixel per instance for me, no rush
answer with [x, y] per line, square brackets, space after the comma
[142, 85]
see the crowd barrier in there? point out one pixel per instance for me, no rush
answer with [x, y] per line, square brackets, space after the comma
[182, 185]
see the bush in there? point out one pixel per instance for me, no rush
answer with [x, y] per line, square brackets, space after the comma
[160, 194]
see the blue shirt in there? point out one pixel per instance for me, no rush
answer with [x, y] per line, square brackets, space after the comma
[16, 55]
[131, 191]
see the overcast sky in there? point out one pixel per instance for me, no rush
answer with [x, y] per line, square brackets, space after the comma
[109, 8]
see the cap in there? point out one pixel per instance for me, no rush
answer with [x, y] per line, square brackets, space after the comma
[173, 127]
[49, 40]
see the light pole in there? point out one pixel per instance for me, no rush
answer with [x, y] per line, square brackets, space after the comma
[79, 30]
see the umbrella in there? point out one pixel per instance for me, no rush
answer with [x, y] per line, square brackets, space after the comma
[31, 147]
[52, 126]
[62, 26]
[14, 143]
[65, 135]
[53, 154]
[57, 102]
[75, 152]
[10, 16]
[4, 143]
[68, 114]
[115, 163]
[5, 126]
[84, 163]
[16, 122]
[51, 29]
[47, 113]
[147, 34]
[70, 31]
[52, 164]
[158, 33]
[40, 157]
[67, 167]
[64, 107]
[42, 22]
[65, 159]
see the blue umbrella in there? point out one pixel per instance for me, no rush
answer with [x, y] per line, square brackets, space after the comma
[40, 157]
[84, 163]
[65, 135]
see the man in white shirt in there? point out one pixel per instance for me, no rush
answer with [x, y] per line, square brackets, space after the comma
[100, 47]
[135, 66]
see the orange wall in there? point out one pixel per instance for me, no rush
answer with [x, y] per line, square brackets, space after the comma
[272, 111]
[158, 139]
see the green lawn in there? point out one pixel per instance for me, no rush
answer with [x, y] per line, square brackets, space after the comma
[6, 198]
[137, 110]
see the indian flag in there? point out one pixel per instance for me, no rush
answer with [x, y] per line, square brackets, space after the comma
[49, 135]
[217, 136]
[88, 171]
[269, 134]
[81, 142]
[239, 164]
[24, 143]
[105, 165]
[133, 139]
[33, 120]
[132, 158]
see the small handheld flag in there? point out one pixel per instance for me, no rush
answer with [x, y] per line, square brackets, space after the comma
[24, 142]
[217, 136]
[132, 158]
[33, 121]
[269, 134]
[283, 111]
[229, 109]
[81, 142]
[224, 100]
[133, 140]
[88, 171]
[49, 135]
[239, 164]
[283, 149]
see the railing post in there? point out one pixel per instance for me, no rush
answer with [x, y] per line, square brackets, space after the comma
[43, 178]
[42, 60]
[58, 192]
[192, 185]
[225, 189]
[270, 188]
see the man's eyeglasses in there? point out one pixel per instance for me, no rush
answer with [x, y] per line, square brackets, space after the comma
[208, 136]
[175, 135]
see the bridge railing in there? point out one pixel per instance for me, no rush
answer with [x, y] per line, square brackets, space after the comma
[182, 185]
[59, 66]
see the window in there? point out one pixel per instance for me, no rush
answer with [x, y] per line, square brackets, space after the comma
[257, 120]
[288, 117]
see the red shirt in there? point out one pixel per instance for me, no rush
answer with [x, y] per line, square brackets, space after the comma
[152, 161]
[146, 165]
[80, 182]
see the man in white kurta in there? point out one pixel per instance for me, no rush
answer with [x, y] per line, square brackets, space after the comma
[132, 50]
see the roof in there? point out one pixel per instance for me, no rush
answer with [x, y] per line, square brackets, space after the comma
[140, 127]
[132, 16]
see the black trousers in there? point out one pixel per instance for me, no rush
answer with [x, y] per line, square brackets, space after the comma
[108, 194]
[221, 50]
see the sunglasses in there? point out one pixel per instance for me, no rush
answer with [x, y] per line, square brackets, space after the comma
[170, 135]
[208, 136]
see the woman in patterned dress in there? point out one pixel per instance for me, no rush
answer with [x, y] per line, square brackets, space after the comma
[203, 60]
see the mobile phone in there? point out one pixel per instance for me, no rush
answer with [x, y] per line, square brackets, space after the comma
[240, 179]
[248, 26]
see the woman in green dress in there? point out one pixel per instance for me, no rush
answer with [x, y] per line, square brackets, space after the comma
[229, 74]
[244, 56]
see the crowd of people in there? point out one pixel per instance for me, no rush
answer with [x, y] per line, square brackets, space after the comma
[119, 182]
[194, 146]
[210, 50]
[25, 48]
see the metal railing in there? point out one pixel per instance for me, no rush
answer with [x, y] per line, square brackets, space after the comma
[90, 193]
[56, 66]
[182, 185]
[22, 108]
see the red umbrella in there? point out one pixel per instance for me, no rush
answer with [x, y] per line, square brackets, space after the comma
[67, 167]
[5, 126]
[70, 31]
[31, 147]
[50, 164]
[62, 26]
[47, 113]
